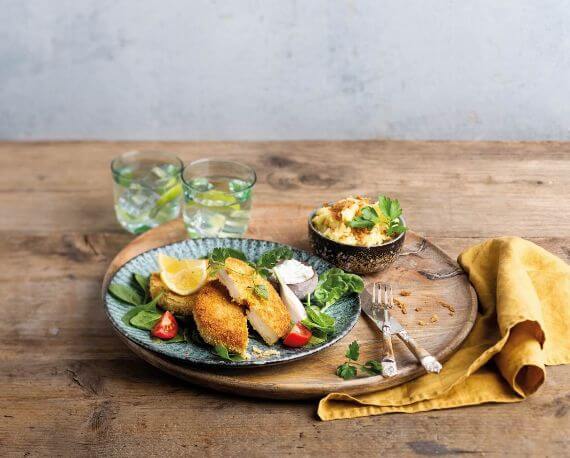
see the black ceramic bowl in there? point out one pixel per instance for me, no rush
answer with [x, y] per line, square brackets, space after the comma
[357, 259]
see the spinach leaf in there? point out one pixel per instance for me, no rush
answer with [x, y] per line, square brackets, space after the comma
[142, 283]
[223, 353]
[150, 307]
[145, 320]
[176, 339]
[335, 284]
[126, 294]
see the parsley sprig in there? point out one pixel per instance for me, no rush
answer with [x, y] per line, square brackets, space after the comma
[268, 260]
[260, 290]
[349, 369]
[217, 259]
[391, 212]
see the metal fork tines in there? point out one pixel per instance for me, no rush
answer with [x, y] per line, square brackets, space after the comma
[382, 300]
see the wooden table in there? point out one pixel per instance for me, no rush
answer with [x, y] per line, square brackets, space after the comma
[70, 387]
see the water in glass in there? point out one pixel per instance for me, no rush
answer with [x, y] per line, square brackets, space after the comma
[146, 195]
[217, 207]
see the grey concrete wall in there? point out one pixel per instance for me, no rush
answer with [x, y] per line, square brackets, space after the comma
[284, 69]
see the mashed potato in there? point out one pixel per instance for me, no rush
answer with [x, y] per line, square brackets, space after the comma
[333, 222]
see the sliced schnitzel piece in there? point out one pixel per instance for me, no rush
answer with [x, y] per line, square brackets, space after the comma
[219, 320]
[269, 317]
[179, 305]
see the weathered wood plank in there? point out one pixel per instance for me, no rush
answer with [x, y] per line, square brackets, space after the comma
[442, 186]
[56, 255]
[114, 418]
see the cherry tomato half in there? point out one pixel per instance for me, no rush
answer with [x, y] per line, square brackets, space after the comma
[299, 336]
[166, 328]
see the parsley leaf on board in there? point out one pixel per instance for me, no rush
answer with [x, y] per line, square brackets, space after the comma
[353, 351]
[349, 368]
[346, 371]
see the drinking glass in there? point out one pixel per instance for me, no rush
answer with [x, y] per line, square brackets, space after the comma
[217, 198]
[147, 189]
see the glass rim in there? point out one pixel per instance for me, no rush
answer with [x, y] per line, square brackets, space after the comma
[220, 161]
[173, 157]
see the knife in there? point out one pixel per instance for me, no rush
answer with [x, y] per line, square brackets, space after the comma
[429, 362]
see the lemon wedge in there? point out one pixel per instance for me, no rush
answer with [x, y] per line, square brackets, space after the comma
[183, 276]
[169, 264]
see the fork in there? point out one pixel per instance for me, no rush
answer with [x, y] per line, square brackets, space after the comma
[382, 299]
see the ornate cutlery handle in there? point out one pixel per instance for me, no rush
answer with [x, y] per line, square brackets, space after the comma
[389, 368]
[424, 357]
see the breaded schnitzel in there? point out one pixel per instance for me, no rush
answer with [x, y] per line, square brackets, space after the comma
[219, 320]
[179, 305]
[269, 317]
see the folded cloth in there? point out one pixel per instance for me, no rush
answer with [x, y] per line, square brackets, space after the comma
[523, 324]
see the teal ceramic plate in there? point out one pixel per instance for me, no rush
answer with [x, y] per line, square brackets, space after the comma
[346, 311]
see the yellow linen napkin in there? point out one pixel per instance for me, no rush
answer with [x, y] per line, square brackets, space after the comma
[523, 324]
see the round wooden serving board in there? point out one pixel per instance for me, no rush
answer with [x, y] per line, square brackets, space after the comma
[435, 282]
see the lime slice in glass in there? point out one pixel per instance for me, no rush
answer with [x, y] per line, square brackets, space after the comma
[217, 198]
[169, 195]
